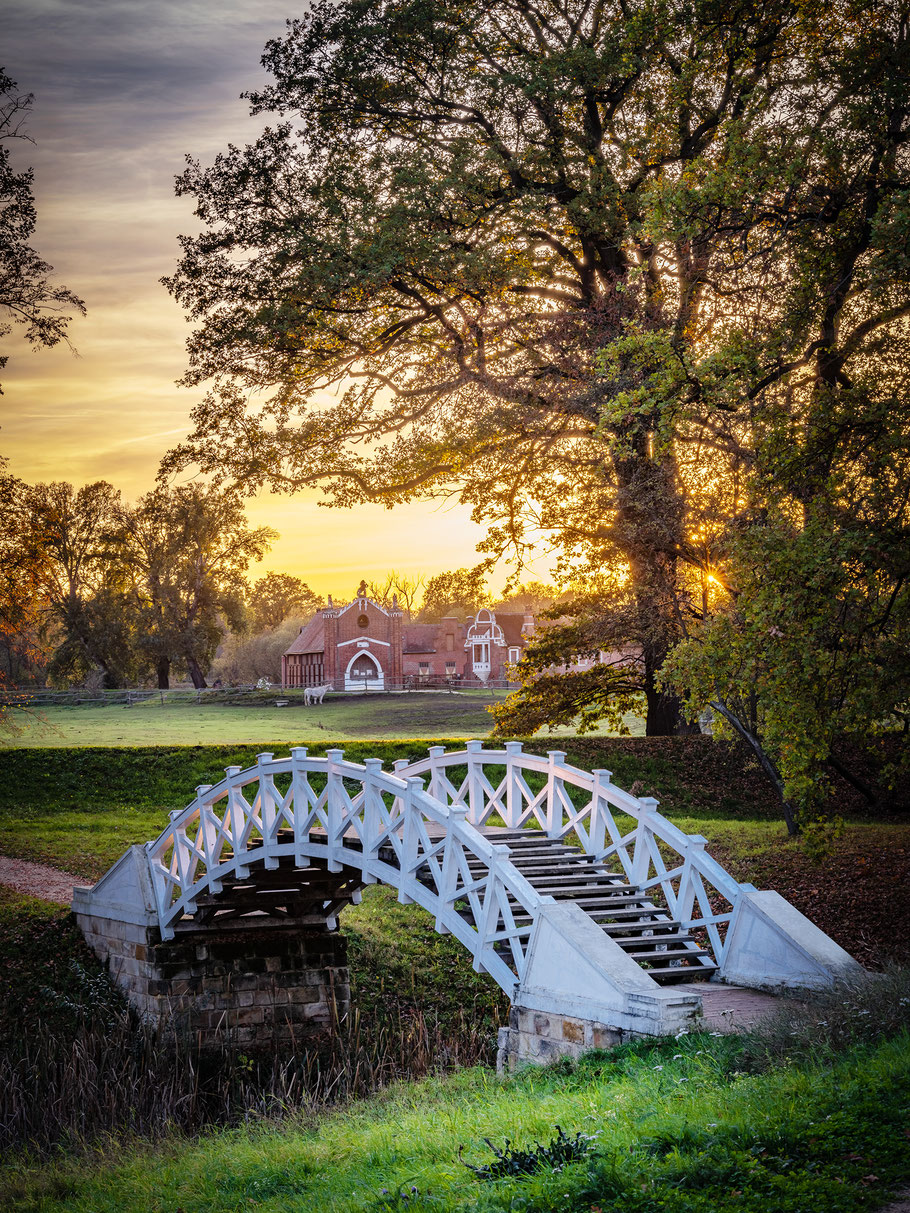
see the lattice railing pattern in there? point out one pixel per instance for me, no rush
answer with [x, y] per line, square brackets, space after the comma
[518, 790]
[351, 816]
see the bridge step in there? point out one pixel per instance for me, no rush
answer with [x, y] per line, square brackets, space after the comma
[554, 868]
[645, 931]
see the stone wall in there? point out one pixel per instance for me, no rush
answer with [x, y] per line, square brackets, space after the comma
[537, 1037]
[254, 985]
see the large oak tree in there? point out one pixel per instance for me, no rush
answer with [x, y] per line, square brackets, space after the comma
[465, 205]
[544, 251]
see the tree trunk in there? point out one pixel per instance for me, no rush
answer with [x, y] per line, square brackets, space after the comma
[766, 764]
[196, 674]
[649, 533]
[163, 669]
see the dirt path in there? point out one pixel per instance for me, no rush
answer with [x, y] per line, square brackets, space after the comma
[39, 880]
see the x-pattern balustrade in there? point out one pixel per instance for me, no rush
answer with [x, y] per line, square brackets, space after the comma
[430, 843]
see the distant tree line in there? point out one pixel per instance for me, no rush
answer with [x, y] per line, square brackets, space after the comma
[96, 591]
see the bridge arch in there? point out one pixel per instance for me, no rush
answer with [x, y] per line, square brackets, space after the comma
[354, 817]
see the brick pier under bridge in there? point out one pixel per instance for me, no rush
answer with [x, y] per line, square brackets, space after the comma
[254, 981]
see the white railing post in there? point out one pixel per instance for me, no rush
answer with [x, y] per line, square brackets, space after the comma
[267, 813]
[205, 835]
[644, 839]
[685, 898]
[487, 927]
[514, 798]
[334, 809]
[448, 881]
[301, 803]
[237, 813]
[600, 809]
[213, 845]
[178, 854]
[372, 817]
[409, 841]
[554, 805]
[436, 788]
[476, 803]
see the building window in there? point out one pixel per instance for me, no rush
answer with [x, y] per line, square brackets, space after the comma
[450, 668]
[363, 621]
[514, 656]
[424, 667]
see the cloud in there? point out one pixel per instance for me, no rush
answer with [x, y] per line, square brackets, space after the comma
[123, 90]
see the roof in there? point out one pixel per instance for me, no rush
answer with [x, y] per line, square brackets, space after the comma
[511, 628]
[310, 639]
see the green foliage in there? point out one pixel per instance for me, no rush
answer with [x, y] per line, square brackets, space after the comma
[460, 593]
[593, 629]
[185, 551]
[816, 643]
[83, 589]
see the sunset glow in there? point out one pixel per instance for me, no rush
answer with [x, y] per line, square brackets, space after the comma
[123, 91]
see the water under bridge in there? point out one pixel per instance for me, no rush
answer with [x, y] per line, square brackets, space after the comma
[596, 915]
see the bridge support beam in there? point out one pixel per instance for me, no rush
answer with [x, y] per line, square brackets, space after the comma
[256, 983]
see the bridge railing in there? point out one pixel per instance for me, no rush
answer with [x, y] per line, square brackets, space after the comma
[350, 816]
[519, 790]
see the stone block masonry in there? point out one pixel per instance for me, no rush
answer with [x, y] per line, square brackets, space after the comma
[535, 1037]
[256, 986]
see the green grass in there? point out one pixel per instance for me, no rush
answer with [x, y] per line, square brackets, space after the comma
[415, 714]
[676, 1127]
[151, 723]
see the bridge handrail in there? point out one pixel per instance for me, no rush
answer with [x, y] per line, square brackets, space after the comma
[593, 824]
[186, 862]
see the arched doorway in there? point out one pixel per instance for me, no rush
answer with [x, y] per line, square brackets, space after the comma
[364, 673]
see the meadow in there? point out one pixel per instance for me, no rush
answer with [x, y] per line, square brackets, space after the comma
[97, 1115]
[255, 720]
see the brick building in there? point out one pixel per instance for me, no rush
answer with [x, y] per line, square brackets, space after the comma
[363, 646]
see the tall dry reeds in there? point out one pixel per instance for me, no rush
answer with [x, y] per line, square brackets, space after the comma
[116, 1076]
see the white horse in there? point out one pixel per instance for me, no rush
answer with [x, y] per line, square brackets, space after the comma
[315, 694]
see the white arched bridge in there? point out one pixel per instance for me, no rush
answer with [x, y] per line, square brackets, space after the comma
[582, 901]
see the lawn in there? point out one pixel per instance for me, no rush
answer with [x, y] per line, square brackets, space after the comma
[417, 714]
[342, 717]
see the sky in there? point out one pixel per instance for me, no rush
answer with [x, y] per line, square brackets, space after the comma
[124, 89]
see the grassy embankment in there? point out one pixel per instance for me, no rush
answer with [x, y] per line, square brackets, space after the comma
[695, 1125]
